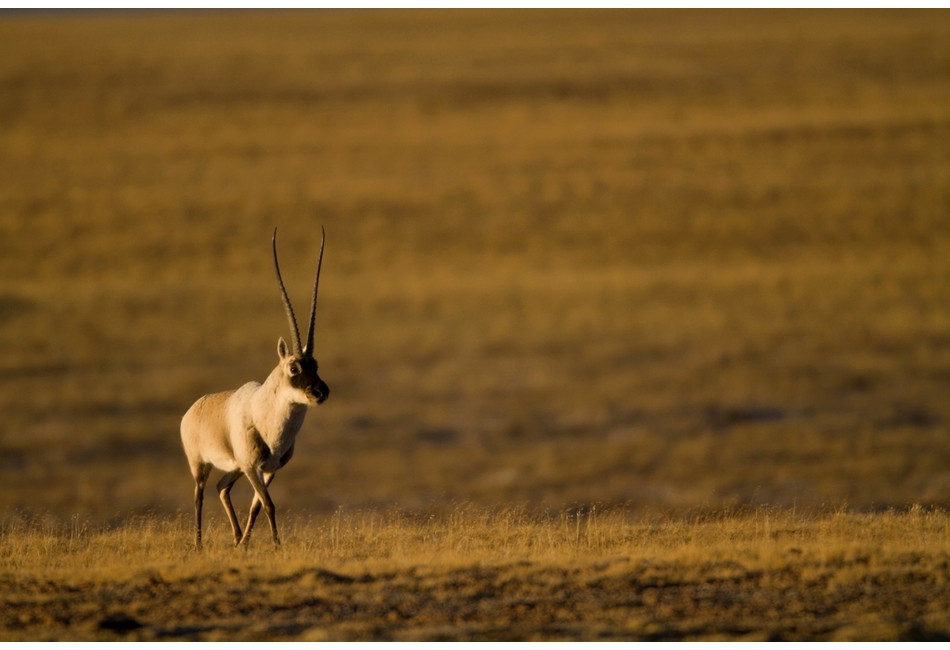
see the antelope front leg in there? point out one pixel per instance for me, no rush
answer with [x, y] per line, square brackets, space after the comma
[256, 504]
[256, 477]
[224, 491]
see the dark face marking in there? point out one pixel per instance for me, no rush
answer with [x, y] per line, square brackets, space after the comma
[302, 372]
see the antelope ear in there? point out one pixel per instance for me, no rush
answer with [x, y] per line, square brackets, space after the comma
[282, 348]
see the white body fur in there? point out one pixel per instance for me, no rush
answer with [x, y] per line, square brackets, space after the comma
[251, 431]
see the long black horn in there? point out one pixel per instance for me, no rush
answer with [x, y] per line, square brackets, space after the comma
[313, 305]
[294, 332]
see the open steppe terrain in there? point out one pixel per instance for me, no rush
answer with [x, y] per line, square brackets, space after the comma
[660, 262]
[474, 574]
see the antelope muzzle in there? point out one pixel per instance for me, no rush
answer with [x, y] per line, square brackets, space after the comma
[319, 391]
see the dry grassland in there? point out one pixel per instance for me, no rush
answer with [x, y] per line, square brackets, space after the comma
[674, 261]
[474, 574]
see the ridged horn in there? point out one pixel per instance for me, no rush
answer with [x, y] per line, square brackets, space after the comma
[291, 319]
[313, 305]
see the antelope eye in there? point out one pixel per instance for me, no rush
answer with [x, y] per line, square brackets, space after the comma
[294, 368]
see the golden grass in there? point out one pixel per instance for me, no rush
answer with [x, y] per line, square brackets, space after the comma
[664, 259]
[474, 573]
[677, 263]
[672, 260]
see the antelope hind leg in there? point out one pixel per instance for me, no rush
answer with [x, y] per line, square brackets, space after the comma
[201, 477]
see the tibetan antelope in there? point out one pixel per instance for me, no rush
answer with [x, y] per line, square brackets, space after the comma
[251, 430]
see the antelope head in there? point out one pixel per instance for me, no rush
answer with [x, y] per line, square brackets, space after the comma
[298, 366]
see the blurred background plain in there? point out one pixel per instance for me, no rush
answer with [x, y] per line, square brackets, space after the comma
[671, 260]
